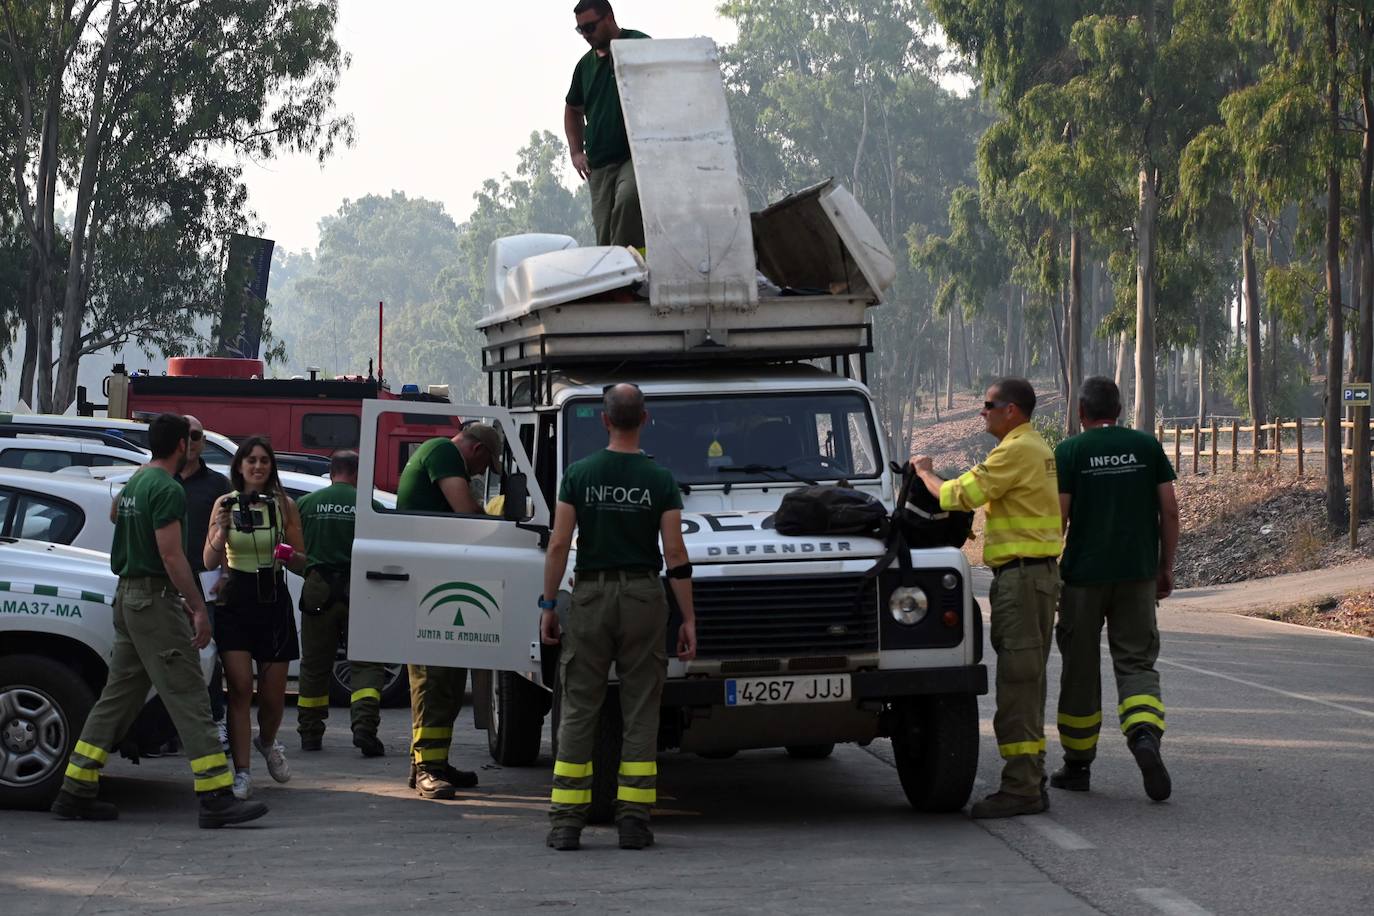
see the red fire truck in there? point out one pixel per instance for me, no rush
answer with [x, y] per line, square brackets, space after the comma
[300, 415]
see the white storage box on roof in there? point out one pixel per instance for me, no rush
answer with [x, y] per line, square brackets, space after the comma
[716, 282]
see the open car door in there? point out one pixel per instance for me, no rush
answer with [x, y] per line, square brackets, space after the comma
[439, 588]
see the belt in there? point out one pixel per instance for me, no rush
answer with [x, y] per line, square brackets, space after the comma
[1023, 562]
[613, 575]
[149, 583]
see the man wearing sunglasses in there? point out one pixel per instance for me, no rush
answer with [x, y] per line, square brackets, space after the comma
[595, 129]
[203, 486]
[1021, 541]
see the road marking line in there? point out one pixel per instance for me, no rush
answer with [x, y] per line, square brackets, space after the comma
[1296, 696]
[1167, 901]
[1062, 837]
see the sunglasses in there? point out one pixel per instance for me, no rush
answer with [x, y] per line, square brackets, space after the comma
[587, 28]
[995, 405]
[197, 435]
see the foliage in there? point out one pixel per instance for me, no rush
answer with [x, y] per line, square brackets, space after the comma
[135, 112]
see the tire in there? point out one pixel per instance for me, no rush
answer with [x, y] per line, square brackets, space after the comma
[810, 751]
[395, 686]
[606, 759]
[515, 725]
[43, 705]
[937, 751]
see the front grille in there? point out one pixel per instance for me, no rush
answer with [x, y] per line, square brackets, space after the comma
[785, 616]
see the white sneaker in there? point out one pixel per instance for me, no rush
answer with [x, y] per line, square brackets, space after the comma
[223, 728]
[275, 755]
[243, 785]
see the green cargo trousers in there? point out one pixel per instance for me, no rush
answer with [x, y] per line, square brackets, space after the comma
[615, 205]
[620, 618]
[152, 648]
[320, 637]
[436, 698]
[1022, 602]
[1128, 609]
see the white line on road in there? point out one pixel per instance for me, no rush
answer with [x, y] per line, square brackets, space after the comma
[1296, 696]
[1062, 837]
[1166, 901]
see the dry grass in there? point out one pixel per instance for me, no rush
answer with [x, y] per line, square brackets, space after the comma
[1350, 613]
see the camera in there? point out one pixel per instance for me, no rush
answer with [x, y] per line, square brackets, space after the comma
[241, 512]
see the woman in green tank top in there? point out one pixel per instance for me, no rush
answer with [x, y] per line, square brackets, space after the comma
[255, 622]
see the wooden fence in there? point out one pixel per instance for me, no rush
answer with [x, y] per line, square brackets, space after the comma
[1233, 446]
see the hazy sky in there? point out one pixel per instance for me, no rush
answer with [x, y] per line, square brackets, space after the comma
[443, 93]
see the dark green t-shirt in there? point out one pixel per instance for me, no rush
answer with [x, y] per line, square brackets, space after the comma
[1113, 475]
[620, 499]
[328, 517]
[150, 500]
[433, 461]
[594, 91]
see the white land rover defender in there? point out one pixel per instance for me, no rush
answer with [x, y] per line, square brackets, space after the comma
[754, 388]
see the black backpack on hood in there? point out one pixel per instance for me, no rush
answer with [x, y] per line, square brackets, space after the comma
[823, 510]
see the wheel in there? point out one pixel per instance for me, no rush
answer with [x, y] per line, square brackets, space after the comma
[810, 751]
[515, 727]
[606, 759]
[937, 751]
[43, 705]
[395, 686]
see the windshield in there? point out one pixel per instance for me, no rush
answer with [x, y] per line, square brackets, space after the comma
[744, 438]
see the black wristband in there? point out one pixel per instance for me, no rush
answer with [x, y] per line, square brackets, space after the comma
[680, 572]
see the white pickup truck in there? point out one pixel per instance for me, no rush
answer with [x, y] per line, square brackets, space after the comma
[754, 388]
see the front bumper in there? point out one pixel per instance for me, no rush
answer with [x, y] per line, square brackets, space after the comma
[868, 685]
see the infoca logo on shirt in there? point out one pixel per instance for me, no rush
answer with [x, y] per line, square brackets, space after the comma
[607, 495]
[1124, 463]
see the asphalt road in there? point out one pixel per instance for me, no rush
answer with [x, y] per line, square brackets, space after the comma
[1270, 745]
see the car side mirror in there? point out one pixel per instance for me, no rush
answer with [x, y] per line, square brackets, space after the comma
[516, 492]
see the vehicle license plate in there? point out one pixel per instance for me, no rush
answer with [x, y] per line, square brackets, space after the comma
[776, 691]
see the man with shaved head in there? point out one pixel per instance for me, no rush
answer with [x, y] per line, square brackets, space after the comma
[621, 503]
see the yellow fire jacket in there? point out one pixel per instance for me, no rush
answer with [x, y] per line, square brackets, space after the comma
[1017, 482]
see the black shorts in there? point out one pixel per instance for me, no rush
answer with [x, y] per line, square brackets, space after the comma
[254, 620]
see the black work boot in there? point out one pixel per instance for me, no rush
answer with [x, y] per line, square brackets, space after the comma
[1073, 776]
[369, 744]
[565, 839]
[1144, 744]
[635, 833]
[71, 807]
[312, 743]
[220, 809]
[1004, 804]
[463, 779]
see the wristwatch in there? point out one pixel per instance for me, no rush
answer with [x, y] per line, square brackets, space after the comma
[547, 604]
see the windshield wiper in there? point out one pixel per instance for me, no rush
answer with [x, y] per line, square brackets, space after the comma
[765, 469]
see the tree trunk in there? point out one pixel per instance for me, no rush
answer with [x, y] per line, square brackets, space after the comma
[949, 362]
[1143, 417]
[1254, 353]
[1336, 516]
[963, 343]
[1202, 365]
[1074, 319]
[1009, 341]
[1365, 248]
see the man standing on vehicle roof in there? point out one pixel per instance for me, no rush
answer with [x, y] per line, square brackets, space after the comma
[621, 503]
[595, 128]
[203, 485]
[160, 622]
[1116, 494]
[1021, 540]
[437, 478]
[328, 520]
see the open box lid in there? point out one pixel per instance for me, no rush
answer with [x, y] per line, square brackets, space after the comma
[820, 239]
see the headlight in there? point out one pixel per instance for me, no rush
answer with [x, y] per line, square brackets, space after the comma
[908, 606]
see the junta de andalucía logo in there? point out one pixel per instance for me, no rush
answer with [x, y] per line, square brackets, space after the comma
[455, 596]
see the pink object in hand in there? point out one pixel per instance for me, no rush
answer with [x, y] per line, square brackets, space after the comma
[284, 553]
